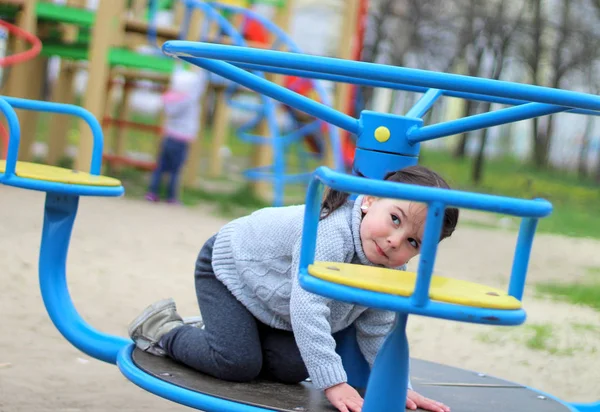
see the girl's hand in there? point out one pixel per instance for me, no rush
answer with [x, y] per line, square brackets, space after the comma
[414, 401]
[344, 397]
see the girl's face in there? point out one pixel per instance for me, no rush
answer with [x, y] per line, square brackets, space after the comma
[391, 230]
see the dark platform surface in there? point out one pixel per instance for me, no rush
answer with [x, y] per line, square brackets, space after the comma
[462, 390]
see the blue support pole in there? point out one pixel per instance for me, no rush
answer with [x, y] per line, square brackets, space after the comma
[14, 133]
[425, 103]
[431, 238]
[521, 259]
[483, 120]
[388, 383]
[60, 212]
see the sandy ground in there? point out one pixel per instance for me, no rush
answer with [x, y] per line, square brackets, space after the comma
[126, 254]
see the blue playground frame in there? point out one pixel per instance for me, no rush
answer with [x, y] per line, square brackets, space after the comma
[281, 141]
[385, 142]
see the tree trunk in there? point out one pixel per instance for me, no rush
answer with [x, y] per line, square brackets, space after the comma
[558, 57]
[597, 174]
[370, 52]
[477, 170]
[534, 63]
[582, 170]
[539, 154]
[582, 158]
[461, 148]
[546, 142]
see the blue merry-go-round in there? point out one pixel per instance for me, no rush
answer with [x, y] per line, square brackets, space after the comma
[385, 142]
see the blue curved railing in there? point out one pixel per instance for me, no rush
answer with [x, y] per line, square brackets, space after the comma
[371, 74]
[388, 143]
[8, 103]
[404, 134]
[267, 109]
[10, 177]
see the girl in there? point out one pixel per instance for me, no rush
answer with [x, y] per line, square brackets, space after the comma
[258, 321]
[182, 122]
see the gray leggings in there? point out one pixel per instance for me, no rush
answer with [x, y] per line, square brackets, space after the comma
[233, 345]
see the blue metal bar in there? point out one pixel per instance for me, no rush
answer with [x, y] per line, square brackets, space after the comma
[168, 390]
[302, 131]
[475, 201]
[521, 259]
[278, 153]
[40, 106]
[152, 32]
[586, 407]
[431, 238]
[394, 86]
[386, 301]
[59, 214]
[61, 188]
[425, 103]
[388, 383]
[14, 134]
[312, 212]
[282, 94]
[283, 38]
[481, 121]
[210, 11]
[396, 75]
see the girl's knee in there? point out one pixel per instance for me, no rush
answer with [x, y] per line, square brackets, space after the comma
[290, 372]
[239, 369]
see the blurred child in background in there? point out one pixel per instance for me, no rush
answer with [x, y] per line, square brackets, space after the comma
[182, 107]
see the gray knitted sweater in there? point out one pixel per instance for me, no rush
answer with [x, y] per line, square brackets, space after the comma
[257, 258]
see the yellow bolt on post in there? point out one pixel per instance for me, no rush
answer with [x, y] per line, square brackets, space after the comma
[382, 134]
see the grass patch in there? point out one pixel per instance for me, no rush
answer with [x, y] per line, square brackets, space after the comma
[237, 203]
[479, 225]
[584, 293]
[539, 335]
[237, 200]
[575, 201]
[585, 327]
[558, 340]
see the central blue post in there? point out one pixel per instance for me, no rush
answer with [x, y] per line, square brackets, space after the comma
[388, 383]
[382, 145]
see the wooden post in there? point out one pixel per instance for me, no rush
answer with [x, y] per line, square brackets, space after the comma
[71, 31]
[26, 79]
[138, 9]
[190, 168]
[220, 133]
[345, 48]
[347, 38]
[108, 23]
[220, 125]
[62, 92]
[178, 13]
[263, 154]
[120, 146]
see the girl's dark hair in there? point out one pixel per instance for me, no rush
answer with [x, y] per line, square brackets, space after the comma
[416, 175]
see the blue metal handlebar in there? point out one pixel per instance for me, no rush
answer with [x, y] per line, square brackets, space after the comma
[537, 208]
[7, 106]
[437, 200]
[365, 73]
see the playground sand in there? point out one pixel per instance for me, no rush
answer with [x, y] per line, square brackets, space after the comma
[126, 254]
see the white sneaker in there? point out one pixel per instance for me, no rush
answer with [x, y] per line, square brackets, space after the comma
[152, 324]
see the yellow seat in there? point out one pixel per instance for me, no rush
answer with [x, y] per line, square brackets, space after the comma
[55, 174]
[396, 282]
